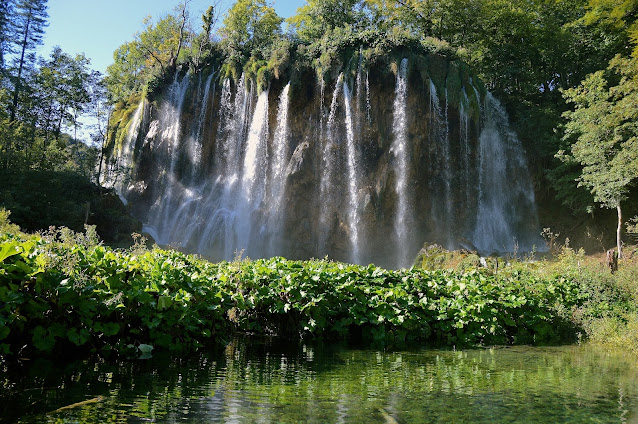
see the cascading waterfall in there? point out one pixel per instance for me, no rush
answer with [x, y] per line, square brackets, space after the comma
[440, 185]
[196, 142]
[329, 159]
[162, 214]
[119, 177]
[500, 158]
[465, 151]
[278, 169]
[447, 172]
[368, 105]
[355, 180]
[253, 179]
[403, 218]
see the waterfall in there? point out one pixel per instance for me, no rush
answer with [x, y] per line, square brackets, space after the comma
[506, 198]
[447, 173]
[196, 142]
[329, 159]
[465, 151]
[440, 182]
[277, 177]
[255, 158]
[368, 106]
[334, 169]
[172, 196]
[124, 164]
[354, 174]
[403, 222]
[280, 153]
[359, 98]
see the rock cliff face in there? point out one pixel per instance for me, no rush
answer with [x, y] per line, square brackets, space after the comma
[362, 168]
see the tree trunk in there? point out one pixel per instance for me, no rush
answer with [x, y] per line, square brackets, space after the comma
[619, 232]
[18, 86]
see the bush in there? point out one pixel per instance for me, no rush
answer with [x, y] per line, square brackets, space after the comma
[62, 290]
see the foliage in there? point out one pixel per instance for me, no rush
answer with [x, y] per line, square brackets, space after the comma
[618, 18]
[318, 17]
[6, 227]
[40, 199]
[62, 289]
[250, 28]
[151, 57]
[604, 125]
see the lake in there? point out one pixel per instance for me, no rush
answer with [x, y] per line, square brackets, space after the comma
[275, 381]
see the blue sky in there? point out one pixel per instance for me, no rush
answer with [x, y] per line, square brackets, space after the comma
[97, 27]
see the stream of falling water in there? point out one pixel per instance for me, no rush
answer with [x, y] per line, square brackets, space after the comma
[354, 174]
[161, 216]
[196, 142]
[499, 153]
[403, 219]
[124, 163]
[329, 158]
[278, 172]
[253, 179]
[235, 194]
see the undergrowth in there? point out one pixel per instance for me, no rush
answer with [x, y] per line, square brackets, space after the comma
[64, 291]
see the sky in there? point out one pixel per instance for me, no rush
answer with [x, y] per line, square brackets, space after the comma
[98, 27]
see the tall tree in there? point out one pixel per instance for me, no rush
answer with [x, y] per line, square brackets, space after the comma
[63, 84]
[317, 17]
[619, 20]
[604, 127]
[127, 72]
[6, 9]
[162, 41]
[251, 26]
[29, 21]
[203, 39]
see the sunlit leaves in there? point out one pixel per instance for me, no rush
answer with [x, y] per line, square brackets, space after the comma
[603, 125]
[84, 294]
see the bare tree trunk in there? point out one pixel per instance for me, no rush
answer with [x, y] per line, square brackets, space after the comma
[619, 232]
[181, 30]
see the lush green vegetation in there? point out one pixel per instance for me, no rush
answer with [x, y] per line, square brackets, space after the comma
[39, 199]
[63, 290]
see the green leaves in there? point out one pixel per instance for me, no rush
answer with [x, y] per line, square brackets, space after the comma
[100, 298]
[8, 249]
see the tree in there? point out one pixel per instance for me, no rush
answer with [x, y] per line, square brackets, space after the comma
[619, 18]
[250, 27]
[100, 111]
[151, 54]
[604, 125]
[6, 10]
[317, 17]
[162, 42]
[62, 84]
[203, 39]
[29, 21]
[127, 73]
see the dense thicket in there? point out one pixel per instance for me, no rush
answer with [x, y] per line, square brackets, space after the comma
[66, 291]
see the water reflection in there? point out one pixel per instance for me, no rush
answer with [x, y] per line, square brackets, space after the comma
[267, 381]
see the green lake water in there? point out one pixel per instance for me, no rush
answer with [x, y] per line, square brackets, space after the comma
[274, 381]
